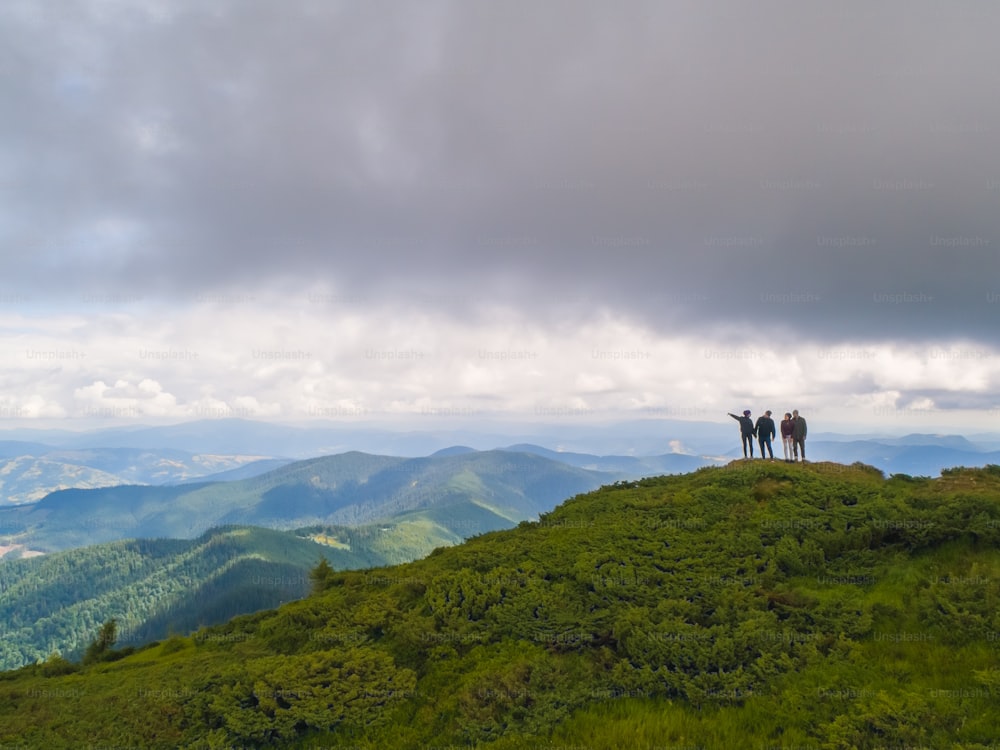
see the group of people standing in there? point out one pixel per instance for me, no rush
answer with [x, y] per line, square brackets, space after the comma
[793, 434]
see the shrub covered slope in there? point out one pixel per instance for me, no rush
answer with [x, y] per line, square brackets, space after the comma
[752, 606]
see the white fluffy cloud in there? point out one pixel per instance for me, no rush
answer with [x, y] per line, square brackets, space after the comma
[276, 357]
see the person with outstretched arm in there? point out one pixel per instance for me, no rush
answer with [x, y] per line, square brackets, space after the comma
[798, 434]
[765, 433]
[746, 431]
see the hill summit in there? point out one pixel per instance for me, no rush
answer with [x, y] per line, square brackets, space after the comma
[752, 605]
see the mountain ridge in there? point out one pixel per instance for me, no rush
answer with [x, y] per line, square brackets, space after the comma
[351, 488]
[206, 450]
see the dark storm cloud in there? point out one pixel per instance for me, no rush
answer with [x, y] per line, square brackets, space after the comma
[830, 170]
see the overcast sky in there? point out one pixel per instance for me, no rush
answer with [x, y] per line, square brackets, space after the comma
[524, 210]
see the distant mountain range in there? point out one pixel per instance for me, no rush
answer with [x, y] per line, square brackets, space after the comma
[29, 471]
[483, 490]
[27, 479]
[319, 437]
[206, 450]
[246, 471]
[627, 467]
[75, 489]
[916, 455]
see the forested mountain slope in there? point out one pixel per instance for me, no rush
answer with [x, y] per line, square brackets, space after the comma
[152, 587]
[157, 587]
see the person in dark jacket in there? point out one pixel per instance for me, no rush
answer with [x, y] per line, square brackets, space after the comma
[787, 426]
[798, 434]
[765, 432]
[746, 431]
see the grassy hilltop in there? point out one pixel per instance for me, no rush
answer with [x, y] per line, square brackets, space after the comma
[757, 605]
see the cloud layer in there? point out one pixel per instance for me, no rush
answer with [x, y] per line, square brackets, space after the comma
[302, 359]
[560, 176]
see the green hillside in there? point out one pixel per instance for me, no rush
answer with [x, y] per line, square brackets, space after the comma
[752, 606]
[347, 489]
[151, 587]
[157, 587]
